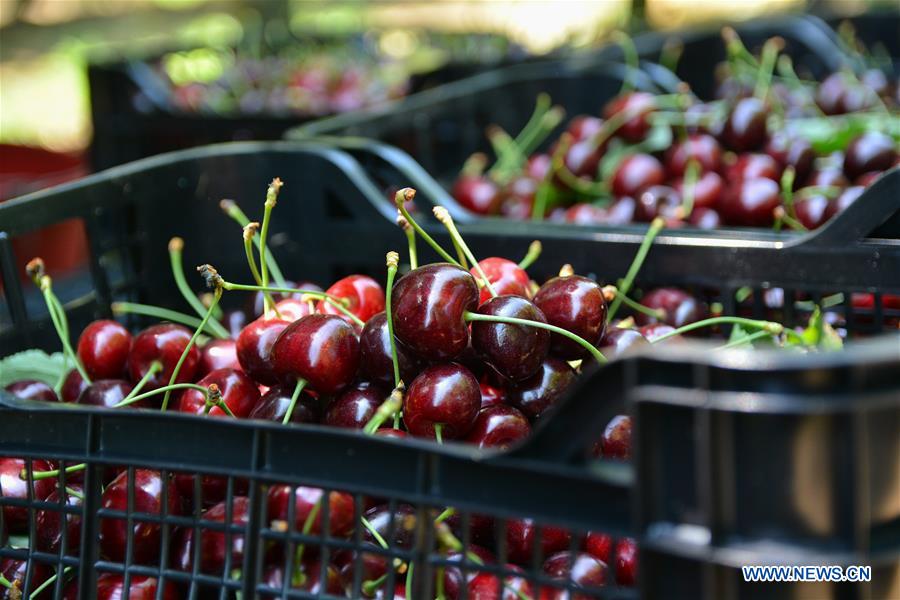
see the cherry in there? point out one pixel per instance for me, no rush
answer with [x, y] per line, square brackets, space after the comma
[239, 394]
[72, 387]
[705, 218]
[218, 354]
[109, 392]
[582, 159]
[164, 343]
[364, 294]
[537, 394]
[477, 193]
[506, 277]
[520, 540]
[491, 395]
[103, 349]
[111, 586]
[404, 525]
[599, 545]
[392, 433]
[321, 349]
[498, 426]
[13, 486]
[213, 545]
[640, 104]
[311, 571]
[259, 298]
[428, 304]
[355, 406]
[372, 566]
[752, 166]
[518, 199]
[254, 347]
[487, 586]
[375, 354]
[213, 488]
[828, 177]
[576, 304]
[653, 331]
[582, 127]
[626, 562]
[636, 173]
[455, 578]
[752, 202]
[616, 439]
[32, 389]
[514, 351]
[49, 534]
[447, 395]
[481, 528]
[15, 571]
[794, 152]
[148, 492]
[621, 211]
[581, 569]
[657, 201]
[745, 127]
[680, 307]
[537, 166]
[870, 151]
[867, 179]
[618, 340]
[340, 509]
[701, 147]
[583, 214]
[830, 94]
[812, 210]
[274, 405]
[291, 309]
[847, 197]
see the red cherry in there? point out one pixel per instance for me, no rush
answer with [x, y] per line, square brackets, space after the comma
[658, 201]
[680, 307]
[584, 214]
[514, 351]
[364, 294]
[812, 210]
[582, 127]
[583, 570]
[259, 299]
[518, 199]
[618, 340]
[626, 562]
[375, 354]
[111, 586]
[656, 330]
[291, 309]
[707, 189]
[599, 545]
[340, 509]
[487, 586]
[847, 197]
[541, 391]
[639, 104]
[576, 304]
[447, 395]
[477, 193]
[538, 166]
[273, 576]
[498, 426]
[616, 439]
[752, 166]
[72, 387]
[16, 573]
[506, 277]
[705, 218]
[275, 403]
[218, 354]
[254, 347]
[582, 159]
[322, 349]
[49, 534]
[32, 389]
[164, 343]
[520, 540]
[213, 489]
[621, 211]
[355, 406]
[213, 544]
[752, 202]
[103, 349]
[700, 147]
[491, 395]
[13, 486]
[238, 391]
[109, 392]
[828, 177]
[870, 151]
[635, 174]
[794, 152]
[745, 127]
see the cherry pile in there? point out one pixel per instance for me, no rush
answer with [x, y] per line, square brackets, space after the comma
[771, 150]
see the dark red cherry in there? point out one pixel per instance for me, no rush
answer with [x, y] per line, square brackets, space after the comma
[582, 159]
[477, 193]
[877, 81]
[32, 389]
[847, 197]
[491, 395]
[390, 432]
[582, 569]
[487, 586]
[254, 348]
[518, 198]
[705, 218]
[456, 580]
[636, 173]
[213, 545]
[234, 321]
[514, 351]
[616, 439]
[447, 395]
[72, 387]
[700, 147]
[867, 179]
[521, 535]
[618, 340]
[402, 534]
[218, 354]
[258, 302]
[274, 405]
[657, 201]
[576, 304]
[621, 211]
[870, 151]
[355, 406]
[538, 166]
[812, 210]
[109, 392]
[830, 93]
[680, 307]
[653, 331]
[148, 499]
[364, 296]
[752, 166]
[751, 202]
[626, 562]
[375, 354]
[794, 152]
[16, 573]
[541, 391]
[599, 545]
[428, 305]
[584, 214]
[238, 391]
[582, 127]
[310, 580]
[828, 177]
[745, 127]
[639, 104]
[111, 586]
[12, 486]
[213, 488]
[48, 529]
[103, 349]
[499, 426]
[322, 349]
[340, 509]
[291, 309]
[506, 277]
[164, 343]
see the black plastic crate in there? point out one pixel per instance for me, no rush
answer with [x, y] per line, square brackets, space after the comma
[719, 436]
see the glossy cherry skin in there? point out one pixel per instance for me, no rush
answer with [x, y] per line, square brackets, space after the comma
[680, 307]
[707, 189]
[635, 174]
[576, 304]
[213, 545]
[657, 201]
[812, 210]
[111, 586]
[541, 391]
[72, 387]
[618, 340]
[259, 299]
[616, 439]
[752, 202]
[164, 343]
[148, 492]
[599, 545]
[871, 151]
[830, 94]
[828, 176]
[514, 351]
[254, 348]
[109, 392]
[752, 166]
[640, 104]
[274, 405]
[364, 294]
[375, 354]
[13, 486]
[794, 152]
[218, 354]
[582, 127]
[428, 305]
[701, 147]
[455, 578]
[584, 214]
[404, 528]
[583, 570]
[621, 211]
[847, 197]
[291, 309]
[745, 127]
[15, 571]
[32, 389]
[445, 394]
[49, 534]
[103, 349]
[506, 277]
[477, 193]
[238, 391]
[322, 349]
[273, 576]
[582, 159]
[355, 406]
[626, 562]
[486, 586]
[340, 509]
[521, 535]
[499, 426]
[653, 331]
[705, 218]
[491, 395]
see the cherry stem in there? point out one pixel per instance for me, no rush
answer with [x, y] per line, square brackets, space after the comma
[787, 188]
[598, 356]
[386, 410]
[50, 581]
[406, 195]
[409, 582]
[534, 252]
[744, 340]
[630, 56]
[307, 527]
[371, 528]
[233, 210]
[410, 241]
[301, 383]
[618, 120]
[443, 215]
[509, 155]
[54, 473]
[670, 54]
[214, 399]
[176, 246]
[249, 234]
[5, 582]
[766, 67]
[767, 326]
[655, 227]
[370, 586]
[392, 259]
[448, 512]
[165, 389]
[691, 174]
[271, 200]
[74, 493]
[332, 300]
[439, 577]
[134, 308]
[530, 138]
[217, 295]
[545, 188]
[437, 433]
[656, 313]
[155, 367]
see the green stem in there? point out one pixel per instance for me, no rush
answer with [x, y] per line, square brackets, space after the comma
[444, 217]
[392, 259]
[54, 473]
[670, 54]
[386, 410]
[534, 252]
[301, 383]
[74, 493]
[254, 270]
[155, 367]
[227, 285]
[448, 512]
[50, 581]
[371, 586]
[411, 246]
[691, 174]
[60, 323]
[176, 246]
[531, 139]
[766, 68]
[630, 56]
[405, 195]
[598, 356]
[787, 188]
[206, 318]
[5, 582]
[439, 576]
[371, 528]
[768, 326]
[655, 227]
[164, 389]
[134, 308]
[409, 581]
[656, 313]
[438, 427]
[307, 527]
[745, 340]
[233, 210]
[271, 199]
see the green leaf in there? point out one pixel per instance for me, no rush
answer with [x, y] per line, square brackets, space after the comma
[32, 364]
[737, 333]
